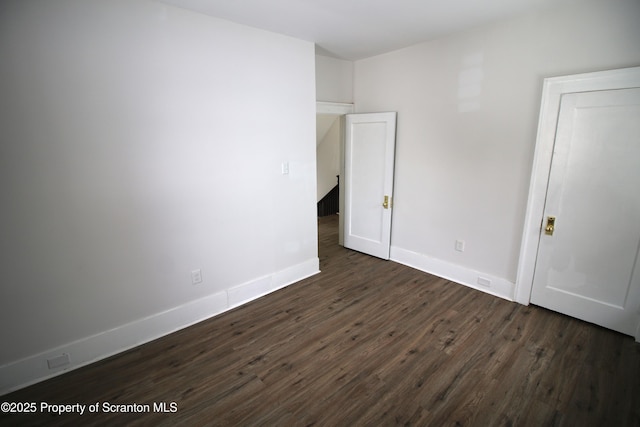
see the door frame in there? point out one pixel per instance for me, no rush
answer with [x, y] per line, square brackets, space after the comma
[338, 109]
[553, 89]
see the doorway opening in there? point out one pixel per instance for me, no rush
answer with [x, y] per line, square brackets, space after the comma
[328, 135]
[363, 145]
[330, 119]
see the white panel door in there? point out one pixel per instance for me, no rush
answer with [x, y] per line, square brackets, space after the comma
[369, 159]
[587, 265]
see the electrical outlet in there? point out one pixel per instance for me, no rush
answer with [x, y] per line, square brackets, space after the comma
[460, 245]
[196, 277]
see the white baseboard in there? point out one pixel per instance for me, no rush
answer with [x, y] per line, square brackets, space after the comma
[465, 276]
[249, 291]
[33, 369]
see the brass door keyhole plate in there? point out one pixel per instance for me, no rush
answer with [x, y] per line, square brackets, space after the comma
[551, 226]
[385, 204]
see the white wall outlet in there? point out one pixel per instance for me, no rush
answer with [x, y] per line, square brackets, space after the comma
[58, 361]
[483, 281]
[196, 277]
[285, 168]
[460, 245]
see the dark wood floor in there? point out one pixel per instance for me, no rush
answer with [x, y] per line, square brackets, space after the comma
[366, 342]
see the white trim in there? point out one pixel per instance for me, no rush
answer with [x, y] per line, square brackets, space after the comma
[242, 294]
[553, 89]
[337, 108]
[465, 276]
[33, 369]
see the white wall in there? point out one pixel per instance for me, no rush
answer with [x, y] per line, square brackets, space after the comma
[328, 155]
[140, 142]
[334, 79]
[467, 115]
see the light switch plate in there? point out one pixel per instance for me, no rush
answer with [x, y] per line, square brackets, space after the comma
[196, 277]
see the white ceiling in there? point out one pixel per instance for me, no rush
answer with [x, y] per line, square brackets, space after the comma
[356, 29]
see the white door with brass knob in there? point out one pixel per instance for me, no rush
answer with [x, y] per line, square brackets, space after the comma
[368, 170]
[587, 263]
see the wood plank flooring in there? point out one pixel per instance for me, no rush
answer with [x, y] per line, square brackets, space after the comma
[366, 342]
